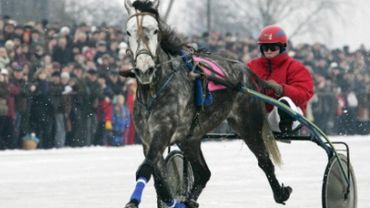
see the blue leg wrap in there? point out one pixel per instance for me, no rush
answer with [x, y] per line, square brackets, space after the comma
[138, 192]
[175, 204]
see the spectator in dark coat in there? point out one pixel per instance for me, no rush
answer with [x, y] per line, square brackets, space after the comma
[114, 82]
[56, 90]
[61, 53]
[5, 120]
[94, 92]
[9, 29]
[19, 80]
[101, 49]
[67, 96]
[42, 110]
[80, 40]
[79, 113]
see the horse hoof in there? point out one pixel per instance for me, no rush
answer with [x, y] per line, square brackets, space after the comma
[191, 204]
[131, 205]
[283, 195]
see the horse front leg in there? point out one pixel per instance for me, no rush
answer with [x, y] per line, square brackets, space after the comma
[201, 172]
[153, 165]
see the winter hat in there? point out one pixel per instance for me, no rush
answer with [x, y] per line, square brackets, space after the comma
[65, 75]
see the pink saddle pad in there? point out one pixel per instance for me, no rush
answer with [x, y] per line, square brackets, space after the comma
[220, 72]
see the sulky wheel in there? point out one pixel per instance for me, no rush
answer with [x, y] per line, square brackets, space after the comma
[179, 180]
[335, 191]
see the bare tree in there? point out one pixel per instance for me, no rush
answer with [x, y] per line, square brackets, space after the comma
[303, 15]
[101, 11]
[57, 12]
[168, 10]
[96, 11]
[249, 16]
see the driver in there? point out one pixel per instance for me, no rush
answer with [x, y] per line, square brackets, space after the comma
[287, 79]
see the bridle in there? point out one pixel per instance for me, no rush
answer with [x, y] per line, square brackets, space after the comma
[141, 37]
[146, 50]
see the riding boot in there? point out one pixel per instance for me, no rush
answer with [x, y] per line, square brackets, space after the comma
[286, 121]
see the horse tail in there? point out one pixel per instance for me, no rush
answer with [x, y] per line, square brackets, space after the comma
[267, 135]
[270, 143]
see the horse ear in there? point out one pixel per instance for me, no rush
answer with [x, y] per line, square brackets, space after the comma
[130, 9]
[156, 4]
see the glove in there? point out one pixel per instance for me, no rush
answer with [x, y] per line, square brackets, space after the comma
[67, 89]
[108, 125]
[277, 88]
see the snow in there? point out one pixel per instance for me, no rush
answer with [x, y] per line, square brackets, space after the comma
[102, 177]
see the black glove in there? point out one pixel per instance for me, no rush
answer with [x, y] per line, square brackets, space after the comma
[277, 88]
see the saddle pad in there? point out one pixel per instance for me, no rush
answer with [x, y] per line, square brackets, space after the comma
[216, 71]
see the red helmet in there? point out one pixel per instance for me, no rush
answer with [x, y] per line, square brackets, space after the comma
[272, 34]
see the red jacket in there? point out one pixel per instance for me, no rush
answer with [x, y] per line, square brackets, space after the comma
[105, 111]
[13, 91]
[294, 77]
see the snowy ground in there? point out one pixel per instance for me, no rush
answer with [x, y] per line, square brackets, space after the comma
[104, 177]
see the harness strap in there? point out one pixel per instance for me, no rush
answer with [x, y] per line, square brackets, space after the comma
[162, 88]
[142, 14]
[187, 58]
[150, 103]
[194, 122]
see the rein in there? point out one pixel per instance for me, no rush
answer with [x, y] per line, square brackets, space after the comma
[150, 102]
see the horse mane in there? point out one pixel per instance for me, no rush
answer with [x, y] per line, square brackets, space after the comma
[145, 6]
[171, 42]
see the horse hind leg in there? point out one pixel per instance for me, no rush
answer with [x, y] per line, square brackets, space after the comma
[250, 130]
[281, 193]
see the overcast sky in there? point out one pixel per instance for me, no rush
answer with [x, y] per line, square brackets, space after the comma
[353, 29]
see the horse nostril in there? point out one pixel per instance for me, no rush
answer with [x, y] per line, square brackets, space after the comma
[151, 70]
[137, 71]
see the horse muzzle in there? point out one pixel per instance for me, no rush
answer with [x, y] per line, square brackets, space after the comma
[144, 66]
[145, 77]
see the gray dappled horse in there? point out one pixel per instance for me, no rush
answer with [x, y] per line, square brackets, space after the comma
[164, 111]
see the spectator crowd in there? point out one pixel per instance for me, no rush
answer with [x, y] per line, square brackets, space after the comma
[60, 86]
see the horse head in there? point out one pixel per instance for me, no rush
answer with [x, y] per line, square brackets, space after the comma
[143, 37]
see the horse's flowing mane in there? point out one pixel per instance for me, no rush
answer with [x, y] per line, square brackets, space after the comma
[145, 6]
[171, 42]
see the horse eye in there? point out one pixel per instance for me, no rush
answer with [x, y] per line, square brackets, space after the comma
[128, 33]
[155, 32]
